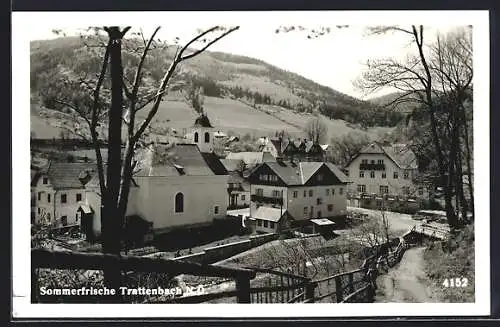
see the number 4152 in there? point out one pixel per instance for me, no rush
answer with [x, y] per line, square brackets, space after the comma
[455, 282]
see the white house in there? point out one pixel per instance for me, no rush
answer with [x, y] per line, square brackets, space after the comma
[59, 190]
[299, 191]
[384, 172]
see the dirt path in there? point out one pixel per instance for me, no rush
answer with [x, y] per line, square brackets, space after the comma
[406, 282]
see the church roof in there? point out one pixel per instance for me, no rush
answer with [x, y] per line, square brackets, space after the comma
[202, 121]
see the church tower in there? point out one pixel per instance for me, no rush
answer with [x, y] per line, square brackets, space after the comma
[202, 134]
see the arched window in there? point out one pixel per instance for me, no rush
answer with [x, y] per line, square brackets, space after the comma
[179, 202]
[196, 137]
[207, 137]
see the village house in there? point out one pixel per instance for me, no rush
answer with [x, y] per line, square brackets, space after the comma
[238, 188]
[288, 194]
[385, 175]
[59, 190]
[298, 150]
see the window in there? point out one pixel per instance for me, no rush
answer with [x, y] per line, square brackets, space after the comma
[266, 223]
[243, 197]
[320, 177]
[64, 198]
[361, 188]
[45, 180]
[330, 207]
[384, 189]
[271, 224]
[39, 196]
[179, 202]
[420, 191]
[364, 161]
[319, 201]
[373, 162]
[333, 191]
[395, 176]
[48, 215]
[196, 137]
[259, 192]
[406, 190]
[64, 220]
[259, 222]
[207, 137]
[310, 193]
[380, 161]
[327, 192]
[216, 210]
[341, 191]
[347, 173]
[361, 174]
[78, 197]
[384, 175]
[76, 217]
[372, 174]
[273, 178]
[305, 193]
[295, 194]
[305, 210]
[276, 193]
[319, 214]
[48, 198]
[379, 203]
[406, 175]
[38, 210]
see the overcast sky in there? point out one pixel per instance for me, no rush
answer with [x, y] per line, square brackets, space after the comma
[334, 60]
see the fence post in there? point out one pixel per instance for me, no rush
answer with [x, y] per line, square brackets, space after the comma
[243, 289]
[310, 291]
[351, 283]
[338, 289]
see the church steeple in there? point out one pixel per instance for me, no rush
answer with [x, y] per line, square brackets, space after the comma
[202, 133]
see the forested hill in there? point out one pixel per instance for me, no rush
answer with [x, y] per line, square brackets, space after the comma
[220, 74]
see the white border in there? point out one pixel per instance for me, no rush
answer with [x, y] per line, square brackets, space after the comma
[22, 308]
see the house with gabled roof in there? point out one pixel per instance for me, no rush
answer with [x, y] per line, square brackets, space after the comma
[385, 174]
[301, 191]
[298, 150]
[59, 189]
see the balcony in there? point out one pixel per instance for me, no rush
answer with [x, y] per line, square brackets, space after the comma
[266, 199]
[367, 166]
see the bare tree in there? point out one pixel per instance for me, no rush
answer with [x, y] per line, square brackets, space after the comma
[344, 149]
[195, 97]
[90, 105]
[418, 78]
[316, 130]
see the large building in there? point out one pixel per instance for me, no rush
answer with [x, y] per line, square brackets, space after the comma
[297, 192]
[385, 175]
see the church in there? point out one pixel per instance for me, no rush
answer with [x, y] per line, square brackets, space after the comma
[177, 186]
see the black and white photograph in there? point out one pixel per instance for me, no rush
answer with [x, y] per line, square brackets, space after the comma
[313, 158]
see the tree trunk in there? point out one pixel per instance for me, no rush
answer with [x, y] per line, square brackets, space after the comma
[468, 160]
[111, 219]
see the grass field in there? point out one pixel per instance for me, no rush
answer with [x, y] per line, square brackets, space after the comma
[225, 114]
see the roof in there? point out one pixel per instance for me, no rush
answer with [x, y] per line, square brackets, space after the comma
[300, 173]
[214, 163]
[65, 175]
[220, 134]
[267, 213]
[251, 158]
[322, 222]
[232, 164]
[178, 160]
[202, 121]
[400, 154]
[85, 208]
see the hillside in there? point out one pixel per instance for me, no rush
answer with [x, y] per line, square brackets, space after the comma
[243, 94]
[403, 105]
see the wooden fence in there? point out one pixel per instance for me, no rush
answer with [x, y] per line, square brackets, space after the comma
[251, 285]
